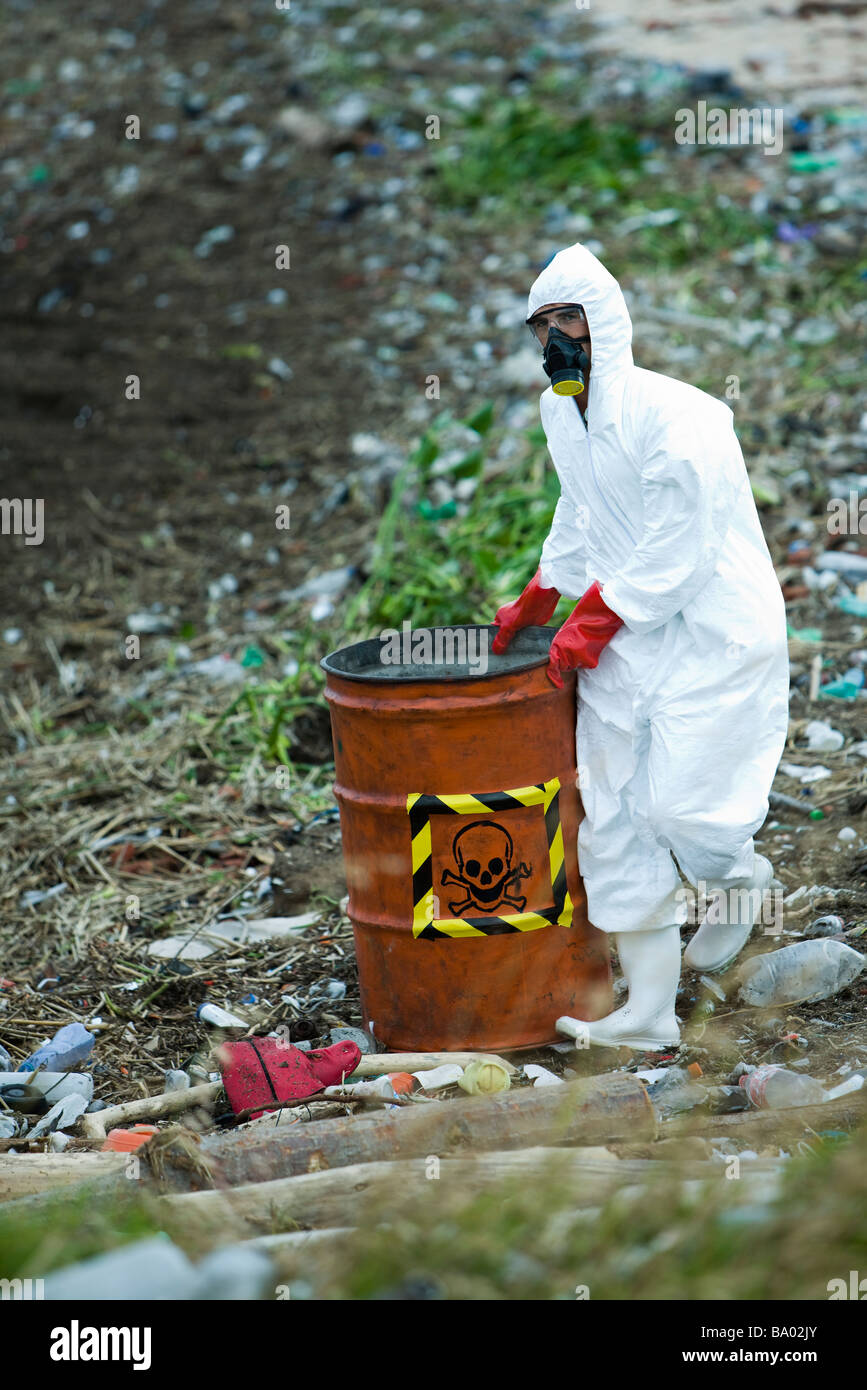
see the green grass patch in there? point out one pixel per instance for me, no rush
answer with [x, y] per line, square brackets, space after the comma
[515, 150]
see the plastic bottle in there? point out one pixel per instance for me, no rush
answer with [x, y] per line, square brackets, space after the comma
[725, 1099]
[798, 974]
[677, 1091]
[219, 1018]
[775, 1088]
[69, 1046]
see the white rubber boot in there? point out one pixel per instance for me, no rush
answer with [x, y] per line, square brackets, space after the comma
[731, 916]
[651, 965]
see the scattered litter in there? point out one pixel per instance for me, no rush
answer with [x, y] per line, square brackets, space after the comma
[805, 775]
[221, 669]
[51, 1086]
[541, 1076]
[676, 1092]
[263, 1073]
[803, 808]
[15, 1093]
[802, 973]
[775, 1088]
[34, 896]
[438, 1077]
[484, 1079]
[363, 1041]
[71, 1044]
[154, 622]
[220, 1018]
[180, 948]
[326, 990]
[847, 1087]
[821, 738]
[831, 925]
[128, 1140]
[242, 930]
[64, 1113]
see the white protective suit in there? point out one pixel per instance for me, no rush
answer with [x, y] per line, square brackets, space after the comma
[682, 724]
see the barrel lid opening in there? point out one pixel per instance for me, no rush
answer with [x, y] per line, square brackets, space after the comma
[459, 652]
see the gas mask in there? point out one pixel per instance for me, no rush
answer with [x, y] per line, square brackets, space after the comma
[565, 362]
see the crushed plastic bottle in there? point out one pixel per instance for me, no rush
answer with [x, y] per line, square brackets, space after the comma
[821, 738]
[69, 1046]
[775, 1088]
[676, 1091]
[798, 974]
[830, 925]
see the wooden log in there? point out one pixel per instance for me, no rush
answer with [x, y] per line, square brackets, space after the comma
[329, 1199]
[770, 1126]
[97, 1125]
[22, 1174]
[590, 1111]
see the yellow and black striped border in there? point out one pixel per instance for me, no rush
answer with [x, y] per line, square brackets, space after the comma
[422, 806]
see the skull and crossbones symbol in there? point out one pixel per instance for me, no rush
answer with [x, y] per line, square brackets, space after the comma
[483, 853]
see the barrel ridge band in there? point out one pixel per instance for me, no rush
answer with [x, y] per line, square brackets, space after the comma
[422, 805]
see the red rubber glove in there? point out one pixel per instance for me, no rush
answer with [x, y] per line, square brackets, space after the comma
[535, 606]
[585, 633]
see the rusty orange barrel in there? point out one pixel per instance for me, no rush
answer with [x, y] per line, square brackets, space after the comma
[456, 782]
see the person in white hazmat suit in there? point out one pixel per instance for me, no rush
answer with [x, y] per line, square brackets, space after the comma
[679, 637]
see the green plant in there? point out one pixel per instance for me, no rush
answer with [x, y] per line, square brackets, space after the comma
[514, 149]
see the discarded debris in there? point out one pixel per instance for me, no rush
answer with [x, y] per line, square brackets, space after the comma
[807, 971]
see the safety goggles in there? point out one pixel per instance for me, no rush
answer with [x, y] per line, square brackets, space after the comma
[566, 319]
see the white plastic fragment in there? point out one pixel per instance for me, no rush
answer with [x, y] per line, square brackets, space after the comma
[541, 1076]
[64, 1113]
[821, 738]
[180, 948]
[437, 1077]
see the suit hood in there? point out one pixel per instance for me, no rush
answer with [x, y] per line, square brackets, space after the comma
[575, 276]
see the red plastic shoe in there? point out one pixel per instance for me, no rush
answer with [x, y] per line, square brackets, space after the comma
[268, 1073]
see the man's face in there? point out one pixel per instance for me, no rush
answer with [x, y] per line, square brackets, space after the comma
[569, 318]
